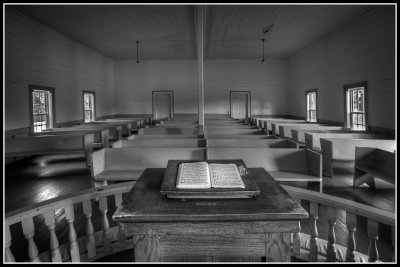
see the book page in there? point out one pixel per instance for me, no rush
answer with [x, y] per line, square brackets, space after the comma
[193, 176]
[225, 176]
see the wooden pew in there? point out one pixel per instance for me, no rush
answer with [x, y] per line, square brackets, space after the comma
[128, 163]
[339, 153]
[143, 119]
[271, 143]
[178, 122]
[298, 134]
[126, 129]
[275, 125]
[283, 164]
[160, 143]
[164, 136]
[135, 123]
[285, 130]
[239, 136]
[371, 163]
[268, 123]
[229, 126]
[233, 131]
[312, 139]
[50, 144]
[115, 131]
[183, 126]
[162, 130]
[101, 136]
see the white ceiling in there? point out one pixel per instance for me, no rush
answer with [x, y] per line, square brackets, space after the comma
[168, 31]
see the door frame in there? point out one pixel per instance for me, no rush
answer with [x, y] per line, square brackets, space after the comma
[154, 93]
[248, 101]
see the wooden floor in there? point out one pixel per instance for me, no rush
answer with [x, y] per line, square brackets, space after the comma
[35, 179]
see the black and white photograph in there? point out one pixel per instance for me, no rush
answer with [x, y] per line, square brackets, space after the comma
[212, 133]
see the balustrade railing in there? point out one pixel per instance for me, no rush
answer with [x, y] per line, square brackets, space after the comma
[97, 244]
[308, 247]
[327, 250]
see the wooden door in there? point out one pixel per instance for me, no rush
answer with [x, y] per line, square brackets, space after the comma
[163, 105]
[240, 104]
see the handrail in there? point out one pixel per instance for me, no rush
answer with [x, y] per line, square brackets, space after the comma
[363, 210]
[18, 215]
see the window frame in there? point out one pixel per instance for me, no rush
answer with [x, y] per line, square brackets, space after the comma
[94, 104]
[52, 109]
[316, 104]
[347, 123]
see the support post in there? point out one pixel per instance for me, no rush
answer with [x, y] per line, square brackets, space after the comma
[200, 22]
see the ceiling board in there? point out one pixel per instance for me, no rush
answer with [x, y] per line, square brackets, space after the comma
[168, 31]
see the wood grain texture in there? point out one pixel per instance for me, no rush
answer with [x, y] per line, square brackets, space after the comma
[147, 247]
[277, 247]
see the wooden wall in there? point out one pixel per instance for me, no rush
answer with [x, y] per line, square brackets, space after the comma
[361, 50]
[38, 55]
[267, 83]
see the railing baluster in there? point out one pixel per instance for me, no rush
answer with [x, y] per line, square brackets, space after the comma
[74, 249]
[313, 256]
[29, 231]
[90, 241]
[106, 235]
[297, 236]
[50, 221]
[331, 245]
[351, 223]
[8, 256]
[373, 235]
[121, 226]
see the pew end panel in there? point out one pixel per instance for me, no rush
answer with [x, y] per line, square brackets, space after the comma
[88, 144]
[371, 163]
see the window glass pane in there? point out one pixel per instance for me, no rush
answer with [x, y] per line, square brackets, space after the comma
[88, 100]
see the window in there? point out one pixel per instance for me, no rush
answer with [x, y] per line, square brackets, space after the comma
[88, 106]
[355, 97]
[311, 104]
[42, 111]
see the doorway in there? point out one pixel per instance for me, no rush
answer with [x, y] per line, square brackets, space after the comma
[240, 102]
[163, 105]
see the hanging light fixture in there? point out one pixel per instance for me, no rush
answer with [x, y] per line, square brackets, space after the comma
[137, 53]
[263, 58]
[265, 31]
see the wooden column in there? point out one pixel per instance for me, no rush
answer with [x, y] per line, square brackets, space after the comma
[200, 22]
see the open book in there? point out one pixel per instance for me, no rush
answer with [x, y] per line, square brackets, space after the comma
[198, 175]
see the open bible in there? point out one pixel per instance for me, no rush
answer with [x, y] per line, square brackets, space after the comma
[198, 175]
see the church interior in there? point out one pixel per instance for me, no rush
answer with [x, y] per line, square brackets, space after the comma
[104, 104]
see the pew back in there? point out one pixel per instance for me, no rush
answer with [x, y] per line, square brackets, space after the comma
[160, 143]
[101, 136]
[288, 159]
[49, 144]
[285, 130]
[164, 131]
[312, 139]
[233, 131]
[264, 143]
[163, 136]
[298, 134]
[239, 136]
